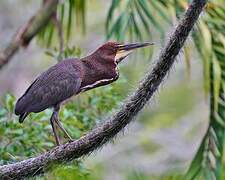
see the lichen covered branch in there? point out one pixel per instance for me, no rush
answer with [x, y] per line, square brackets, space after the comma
[113, 125]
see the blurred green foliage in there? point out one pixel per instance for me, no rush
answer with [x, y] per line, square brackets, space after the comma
[136, 18]
[69, 14]
[171, 108]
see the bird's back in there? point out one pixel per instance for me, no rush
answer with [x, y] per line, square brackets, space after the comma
[53, 86]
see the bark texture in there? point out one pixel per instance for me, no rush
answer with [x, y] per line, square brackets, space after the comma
[26, 33]
[114, 124]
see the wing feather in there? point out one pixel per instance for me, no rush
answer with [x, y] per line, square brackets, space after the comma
[52, 87]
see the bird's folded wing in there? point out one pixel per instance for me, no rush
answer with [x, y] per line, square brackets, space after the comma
[50, 88]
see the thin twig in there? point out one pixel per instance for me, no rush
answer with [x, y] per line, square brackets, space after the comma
[132, 106]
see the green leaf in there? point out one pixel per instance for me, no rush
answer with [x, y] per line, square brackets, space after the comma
[187, 59]
[161, 10]
[195, 167]
[144, 21]
[216, 82]
[114, 5]
[152, 19]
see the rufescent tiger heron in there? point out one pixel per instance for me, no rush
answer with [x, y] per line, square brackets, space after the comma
[71, 77]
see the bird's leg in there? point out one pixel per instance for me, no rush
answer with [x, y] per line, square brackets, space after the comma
[52, 120]
[63, 129]
[56, 119]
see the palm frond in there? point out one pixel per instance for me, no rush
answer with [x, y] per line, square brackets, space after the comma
[209, 40]
[135, 19]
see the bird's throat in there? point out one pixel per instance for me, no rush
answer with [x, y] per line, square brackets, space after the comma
[98, 74]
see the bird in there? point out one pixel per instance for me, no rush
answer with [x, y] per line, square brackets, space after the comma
[71, 77]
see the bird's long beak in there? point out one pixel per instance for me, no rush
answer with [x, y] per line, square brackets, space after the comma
[125, 49]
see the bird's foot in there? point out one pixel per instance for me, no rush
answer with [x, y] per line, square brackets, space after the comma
[58, 144]
[71, 140]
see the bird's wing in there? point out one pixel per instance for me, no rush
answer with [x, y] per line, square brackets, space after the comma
[50, 88]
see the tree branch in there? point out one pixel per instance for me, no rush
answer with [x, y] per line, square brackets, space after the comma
[105, 132]
[26, 33]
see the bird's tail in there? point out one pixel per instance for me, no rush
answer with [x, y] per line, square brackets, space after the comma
[22, 117]
[20, 110]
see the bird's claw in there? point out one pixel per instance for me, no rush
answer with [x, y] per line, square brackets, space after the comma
[71, 140]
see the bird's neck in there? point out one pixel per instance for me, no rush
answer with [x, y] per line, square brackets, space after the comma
[98, 72]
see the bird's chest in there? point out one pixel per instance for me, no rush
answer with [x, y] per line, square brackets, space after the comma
[99, 76]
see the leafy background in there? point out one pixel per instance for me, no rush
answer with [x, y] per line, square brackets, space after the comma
[179, 136]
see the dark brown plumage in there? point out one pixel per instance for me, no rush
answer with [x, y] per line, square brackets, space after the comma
[52, 87]
[70, 77]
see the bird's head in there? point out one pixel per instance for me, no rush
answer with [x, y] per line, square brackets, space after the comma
[116, 52]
